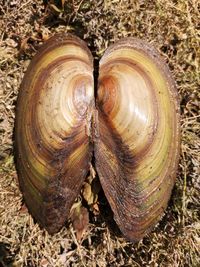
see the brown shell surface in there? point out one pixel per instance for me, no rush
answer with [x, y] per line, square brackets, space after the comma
[137, 148]
[52, 130]
[133, 132]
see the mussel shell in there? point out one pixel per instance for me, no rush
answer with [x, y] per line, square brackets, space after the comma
[53, 128]
[137, 150]
[134, 132]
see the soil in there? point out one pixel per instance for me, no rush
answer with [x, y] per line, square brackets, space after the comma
[173, 28]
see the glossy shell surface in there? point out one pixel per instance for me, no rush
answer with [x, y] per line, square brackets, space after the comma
[53, 128]
[138, 146]
[131, 129]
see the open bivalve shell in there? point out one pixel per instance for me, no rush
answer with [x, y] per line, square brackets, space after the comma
[131, 129]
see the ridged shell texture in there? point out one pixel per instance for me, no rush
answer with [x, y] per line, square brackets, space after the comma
[131, 129]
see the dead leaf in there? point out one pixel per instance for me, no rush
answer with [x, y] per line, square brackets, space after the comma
[95, 209]
[23, 209]
[55, 8]
[62, 3]
[87, 193]
[44, 262]
[80, 221]
[24, 45]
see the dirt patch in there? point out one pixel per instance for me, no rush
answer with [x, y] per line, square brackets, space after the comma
[173, 28]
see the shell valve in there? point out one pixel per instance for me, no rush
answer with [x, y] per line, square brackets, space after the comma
[131, 129]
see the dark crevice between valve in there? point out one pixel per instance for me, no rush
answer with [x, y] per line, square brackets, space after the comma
[96, 59]
[96, 76]
[105, 216]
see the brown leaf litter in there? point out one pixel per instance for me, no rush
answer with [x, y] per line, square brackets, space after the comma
[173, 28]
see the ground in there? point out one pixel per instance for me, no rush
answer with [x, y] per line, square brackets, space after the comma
[173, 28]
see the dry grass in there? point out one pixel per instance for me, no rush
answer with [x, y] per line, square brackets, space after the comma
[173, 27]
